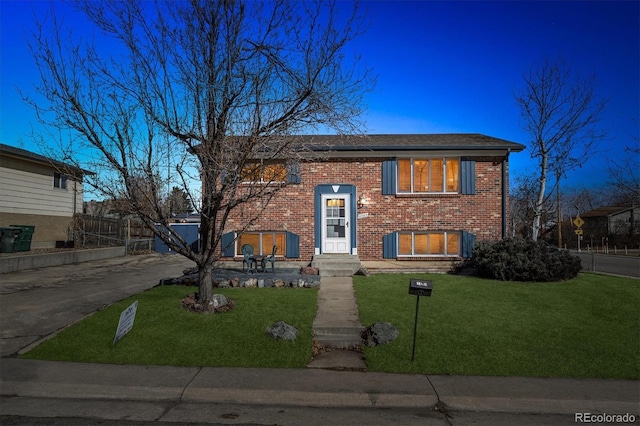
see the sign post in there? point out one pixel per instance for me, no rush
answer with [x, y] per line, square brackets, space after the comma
[578, 222]
[418, 288]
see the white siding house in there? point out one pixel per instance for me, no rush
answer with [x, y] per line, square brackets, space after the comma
[38, 191]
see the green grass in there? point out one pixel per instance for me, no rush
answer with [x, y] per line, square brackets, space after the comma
[166, 334]
[585, 327]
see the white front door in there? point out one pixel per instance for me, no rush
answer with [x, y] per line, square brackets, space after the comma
[335, 223]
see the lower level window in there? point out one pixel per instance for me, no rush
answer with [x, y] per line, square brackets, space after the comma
[262, 242]
[428, 244]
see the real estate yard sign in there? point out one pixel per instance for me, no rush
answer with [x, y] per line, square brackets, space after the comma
[126, 321]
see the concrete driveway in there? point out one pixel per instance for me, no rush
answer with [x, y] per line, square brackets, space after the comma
[35, 304]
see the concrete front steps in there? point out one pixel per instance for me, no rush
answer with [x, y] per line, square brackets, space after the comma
[336, 265]
[337, 323]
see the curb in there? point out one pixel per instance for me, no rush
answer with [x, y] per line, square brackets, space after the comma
[314, 388]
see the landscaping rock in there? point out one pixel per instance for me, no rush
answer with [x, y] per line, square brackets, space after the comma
[224, 283]
[219, 303]
[312, 284]
[379, 333]
[250, 283]
[363, 271]
[282, 330]
[235, 282]
[308, 270]
[278, 283]
[219, 300]
[260, 283]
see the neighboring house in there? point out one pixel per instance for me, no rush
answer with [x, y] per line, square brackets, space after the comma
[612, 225]
[38, 191]
[391, 198]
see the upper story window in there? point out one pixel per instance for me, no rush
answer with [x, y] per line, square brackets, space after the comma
[428, 175]
[59, 180]
[264, 173]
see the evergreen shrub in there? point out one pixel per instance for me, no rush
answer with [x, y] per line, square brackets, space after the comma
[517, 259]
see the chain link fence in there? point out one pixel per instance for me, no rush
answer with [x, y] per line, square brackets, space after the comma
[96, 232]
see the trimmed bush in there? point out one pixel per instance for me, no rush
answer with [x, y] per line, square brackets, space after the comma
[517, 259]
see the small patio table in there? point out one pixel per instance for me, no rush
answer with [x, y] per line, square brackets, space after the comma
[258, 263]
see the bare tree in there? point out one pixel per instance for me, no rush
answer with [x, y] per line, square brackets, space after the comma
[560, 112]
[203, 89]
[624, 176]
[521, 200]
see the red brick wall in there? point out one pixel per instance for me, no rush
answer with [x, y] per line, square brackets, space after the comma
[293, 207]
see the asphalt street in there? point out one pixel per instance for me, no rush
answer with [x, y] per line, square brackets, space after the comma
[225, 414]
[628, 266]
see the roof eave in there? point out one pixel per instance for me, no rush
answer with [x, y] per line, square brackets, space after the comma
[361, 148]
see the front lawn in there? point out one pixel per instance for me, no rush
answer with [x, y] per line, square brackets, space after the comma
[165, 334]
[585, 327]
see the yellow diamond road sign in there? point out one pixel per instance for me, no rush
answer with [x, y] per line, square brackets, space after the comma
[578, 222]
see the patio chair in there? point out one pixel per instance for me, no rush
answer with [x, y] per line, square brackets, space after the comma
[248, 259]
[271, 258]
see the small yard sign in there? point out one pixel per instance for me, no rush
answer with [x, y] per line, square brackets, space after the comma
[126, 321]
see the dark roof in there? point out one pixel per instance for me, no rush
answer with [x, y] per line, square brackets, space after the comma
[32, 156]
[606, 211]
[399, 142]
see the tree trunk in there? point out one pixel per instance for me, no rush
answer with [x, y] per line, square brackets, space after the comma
[205, 293]
[537, 208]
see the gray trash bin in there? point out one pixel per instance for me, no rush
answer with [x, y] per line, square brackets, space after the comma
[9, 237]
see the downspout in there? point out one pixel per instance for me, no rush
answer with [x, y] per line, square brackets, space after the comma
[75, 197]
[504, 194]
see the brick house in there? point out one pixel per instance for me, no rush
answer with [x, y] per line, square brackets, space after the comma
[387, 199]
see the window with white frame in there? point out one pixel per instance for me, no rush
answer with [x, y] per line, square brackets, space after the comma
[428, 175]
[262, 242]
[264, 172]
[59, 180]
[441, 243]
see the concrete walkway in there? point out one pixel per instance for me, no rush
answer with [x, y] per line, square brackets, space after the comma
[337, 326]
[50, 389]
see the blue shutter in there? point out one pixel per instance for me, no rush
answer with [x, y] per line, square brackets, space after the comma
[228, 247]
[292, 249]
[293, 173]
[468, 242]
[467, 177]
[390, 246]
[389, 177]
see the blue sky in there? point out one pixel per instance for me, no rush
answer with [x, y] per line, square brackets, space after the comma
[443, 67]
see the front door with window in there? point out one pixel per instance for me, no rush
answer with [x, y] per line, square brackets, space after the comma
[336, 214]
